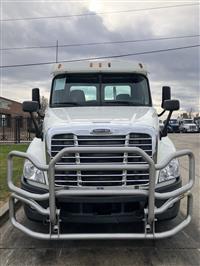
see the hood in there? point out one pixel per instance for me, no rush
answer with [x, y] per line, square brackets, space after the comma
[174, 125]
[93, 115]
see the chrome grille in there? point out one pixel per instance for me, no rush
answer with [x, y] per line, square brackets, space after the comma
[101, 178]
[192, 127]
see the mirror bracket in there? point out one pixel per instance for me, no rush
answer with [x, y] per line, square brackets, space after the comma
[162, 113]
[38, 131]
[164, 131]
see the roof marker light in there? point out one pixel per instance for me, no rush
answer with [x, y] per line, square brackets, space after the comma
[91, 65]
[59, 66]
[100, 65]
[140, 65]
[109, 64]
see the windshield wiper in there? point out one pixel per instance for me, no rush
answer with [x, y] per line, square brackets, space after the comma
[70, 103]
[118, 102]
[123, 102]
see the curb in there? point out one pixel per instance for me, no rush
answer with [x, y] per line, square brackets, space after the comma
[4, 211]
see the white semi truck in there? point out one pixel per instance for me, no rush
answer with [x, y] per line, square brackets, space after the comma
[99, 155]
[188, 126]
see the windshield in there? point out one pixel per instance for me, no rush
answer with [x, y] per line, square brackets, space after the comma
[188, 121]
[100, 89]
[173, 121]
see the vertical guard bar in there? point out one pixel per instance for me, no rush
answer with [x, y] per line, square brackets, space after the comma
[191, 166]
[152, 181]
[52, 199]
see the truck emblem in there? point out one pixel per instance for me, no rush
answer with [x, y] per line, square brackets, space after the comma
[101, 131]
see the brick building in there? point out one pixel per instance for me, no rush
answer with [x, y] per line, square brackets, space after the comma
[14, 123]
[10, 109]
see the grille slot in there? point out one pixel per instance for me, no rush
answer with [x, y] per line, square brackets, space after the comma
[101, 178]
[192, 127]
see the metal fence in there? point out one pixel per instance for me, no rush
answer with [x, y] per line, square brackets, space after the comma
[16, 129]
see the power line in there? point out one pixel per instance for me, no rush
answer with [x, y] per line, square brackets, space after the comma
[103, 57]
[98, 13]
[99, 43]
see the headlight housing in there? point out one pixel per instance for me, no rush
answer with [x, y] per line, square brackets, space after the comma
[171, 171]
[32, 173]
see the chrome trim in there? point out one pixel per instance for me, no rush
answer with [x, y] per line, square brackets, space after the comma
[138, 139]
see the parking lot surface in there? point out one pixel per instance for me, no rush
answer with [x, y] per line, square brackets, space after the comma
[182, 249]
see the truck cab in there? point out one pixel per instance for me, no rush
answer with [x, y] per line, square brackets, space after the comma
[99, 155]
[173, 123]
[188, 126]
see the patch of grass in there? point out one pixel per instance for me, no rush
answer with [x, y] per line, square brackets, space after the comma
[17, 168]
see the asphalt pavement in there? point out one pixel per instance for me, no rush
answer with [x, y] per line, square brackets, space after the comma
[182, 249]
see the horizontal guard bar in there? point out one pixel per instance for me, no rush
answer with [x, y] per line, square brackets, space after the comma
[169, 203]
[177, 154]
[29, 157]
[31, 203]
[44, 167]
[92, 236]
[102, 192]
[92, 167]
[102, 236]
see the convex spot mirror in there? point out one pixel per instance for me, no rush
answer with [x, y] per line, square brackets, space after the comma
[166, 95]
[30, 106]
[171, 105]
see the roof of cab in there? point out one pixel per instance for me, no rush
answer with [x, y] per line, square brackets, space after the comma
[98, 66]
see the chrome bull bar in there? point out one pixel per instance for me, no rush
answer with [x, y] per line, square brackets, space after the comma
[52, 212]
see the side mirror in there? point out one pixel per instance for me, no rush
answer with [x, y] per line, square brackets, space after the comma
[30, 106]
[171, 105]
[36, 96]
[166, 94]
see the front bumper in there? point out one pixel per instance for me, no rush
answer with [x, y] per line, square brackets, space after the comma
[107, 209]
[155, 202]
[191, 130]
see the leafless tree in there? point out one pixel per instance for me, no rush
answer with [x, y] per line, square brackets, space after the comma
[44, 104]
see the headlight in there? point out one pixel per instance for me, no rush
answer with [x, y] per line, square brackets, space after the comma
[32, 173]
[171, 171]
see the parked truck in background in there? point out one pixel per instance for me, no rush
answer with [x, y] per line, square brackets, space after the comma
[174, 125]
[99, 155]
[197, 122]
[188, 126]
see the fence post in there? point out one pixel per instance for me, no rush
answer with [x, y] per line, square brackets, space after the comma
[17, 129]
[3, 122]
[28, 126]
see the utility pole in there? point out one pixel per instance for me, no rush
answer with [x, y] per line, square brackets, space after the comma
[57, 51]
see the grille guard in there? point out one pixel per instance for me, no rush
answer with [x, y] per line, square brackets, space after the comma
[53, 213]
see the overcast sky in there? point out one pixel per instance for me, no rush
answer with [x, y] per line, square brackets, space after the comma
[178, 69]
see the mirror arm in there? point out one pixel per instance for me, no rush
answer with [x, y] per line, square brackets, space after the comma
[164, 131]
[161, 113]
[37, 129]
[40, 115]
